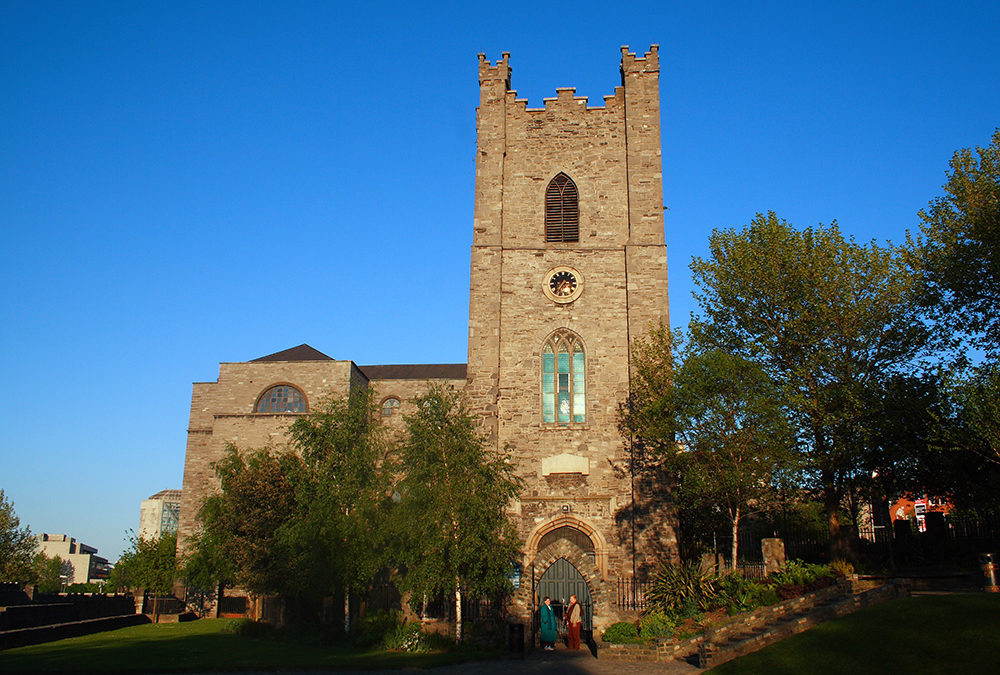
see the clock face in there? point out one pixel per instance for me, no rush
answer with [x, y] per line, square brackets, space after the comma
[563, 284]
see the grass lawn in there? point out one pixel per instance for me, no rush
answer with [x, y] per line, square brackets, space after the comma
[928, 634]
[202, 646]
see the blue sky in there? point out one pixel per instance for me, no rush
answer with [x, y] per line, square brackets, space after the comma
[184, 183]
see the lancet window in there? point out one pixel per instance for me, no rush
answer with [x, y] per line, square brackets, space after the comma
[564, 393]
[562, 210]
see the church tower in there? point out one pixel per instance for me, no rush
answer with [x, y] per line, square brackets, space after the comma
[568, 267]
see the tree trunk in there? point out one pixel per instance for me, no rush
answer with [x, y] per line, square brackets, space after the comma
[347, 610]
[831, 503]
[736, 540]
[458, 612]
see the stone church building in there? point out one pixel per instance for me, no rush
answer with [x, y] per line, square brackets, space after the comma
[568, 266]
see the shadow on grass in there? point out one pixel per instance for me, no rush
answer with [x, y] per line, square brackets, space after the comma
[929, 634]
[203, 645]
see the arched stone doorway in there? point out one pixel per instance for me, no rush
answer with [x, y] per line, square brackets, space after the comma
[525, 600]
[574, 530]
[559, 582]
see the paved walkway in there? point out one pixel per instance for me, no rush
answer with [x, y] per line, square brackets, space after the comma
[565, 662]
[560, 662]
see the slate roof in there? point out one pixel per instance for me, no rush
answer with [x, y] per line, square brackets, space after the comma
[419, 371]
[301, 353]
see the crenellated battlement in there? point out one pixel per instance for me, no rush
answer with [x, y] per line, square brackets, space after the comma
[490, 75]
[489, 72]
[650, 63]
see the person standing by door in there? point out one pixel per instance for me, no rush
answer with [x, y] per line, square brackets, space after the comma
[574, 619]
[548, 621]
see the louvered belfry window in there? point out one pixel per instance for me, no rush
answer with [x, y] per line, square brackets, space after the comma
[562, 210]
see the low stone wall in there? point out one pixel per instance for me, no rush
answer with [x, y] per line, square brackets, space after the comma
[668, 649]
[38, 634]
[55, 608]
[765, 615]
[716, 650]
[11, 593]
[659, 649]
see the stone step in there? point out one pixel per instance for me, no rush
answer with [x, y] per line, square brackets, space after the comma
[712, 653]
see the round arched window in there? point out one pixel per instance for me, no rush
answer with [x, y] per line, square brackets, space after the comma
[390, 406]
[281, 399]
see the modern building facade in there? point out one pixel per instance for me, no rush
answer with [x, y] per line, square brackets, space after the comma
[88, 567]
[568, 268]
[159, 514]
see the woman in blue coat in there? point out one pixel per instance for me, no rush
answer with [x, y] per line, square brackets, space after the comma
[549, 634]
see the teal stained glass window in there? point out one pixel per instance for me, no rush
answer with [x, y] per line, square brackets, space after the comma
[548, 384]
[564, 397]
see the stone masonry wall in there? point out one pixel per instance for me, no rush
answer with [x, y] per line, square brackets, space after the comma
[223, 412]
[612, 154]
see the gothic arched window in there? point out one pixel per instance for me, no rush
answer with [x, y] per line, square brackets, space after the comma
[283, 398]
[564, 393]
[562, 210]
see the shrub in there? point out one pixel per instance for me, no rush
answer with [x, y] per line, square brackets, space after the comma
[621, 632]
[248, 628]
[798, 573]
[798, 577]
[435, 641]
[375, 627]
[842, 568]
[409, 637]
[677, 587]
[738, 594]
[656, 625]
[769, 597]
[83, 588]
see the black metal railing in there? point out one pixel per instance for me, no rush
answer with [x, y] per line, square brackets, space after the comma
[631, 594]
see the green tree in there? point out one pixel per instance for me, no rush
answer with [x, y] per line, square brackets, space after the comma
[17, 545]
[307, 521]
[827, 318]
[149, 563]
[977, 397]
[453, 524]
[715, 421]
[737, 437]
[50, 573]
[244, 524]
[961, 245]
[340, 530]
[204, 564]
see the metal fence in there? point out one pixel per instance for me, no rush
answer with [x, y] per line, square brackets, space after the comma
[473, 609]
[943, 537]
[631, 594]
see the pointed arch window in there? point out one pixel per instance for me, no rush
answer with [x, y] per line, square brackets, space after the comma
[564, 393]
[562, 210]
[283, 398]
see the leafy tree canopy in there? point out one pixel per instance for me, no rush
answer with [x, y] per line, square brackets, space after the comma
[50, 573]
[344, 492]
[718, 424]
[243, 523]
[17, 545]
[148, 563]
[453, 523]
[961, 245]
[827, 318]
